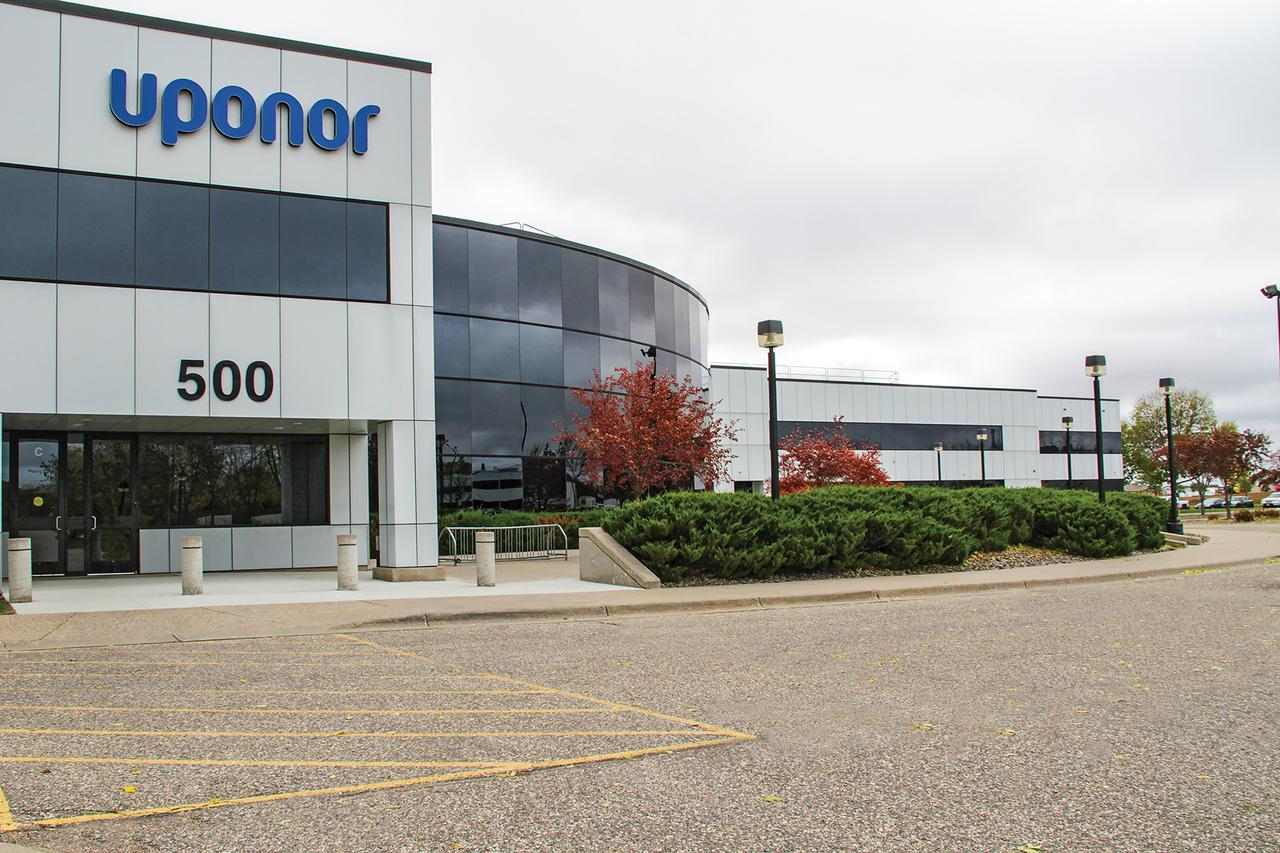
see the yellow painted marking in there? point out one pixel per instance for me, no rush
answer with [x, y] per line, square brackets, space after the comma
[381, 786]
[189, 662]
[391, 650]
[235, 762]
[6, 816]
[229, 692]
[336, 734]
[187, 650]
[348, 712]
[87, 675]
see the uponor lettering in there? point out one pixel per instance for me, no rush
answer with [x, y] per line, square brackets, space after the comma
[235, 113]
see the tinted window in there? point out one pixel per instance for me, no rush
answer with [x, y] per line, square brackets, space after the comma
[581, 358]
[367, 252]
[244, 242]
[615, 306]
[543, 410]
[581, 296]
[1082, 441]
[28, 223]
[541, 355]
[640, 296]
[492, 275]
[887, 436]
[684, 317]
[497, 424]
[453, 346]
[173, 236]
[539, 273]
[449, 248]
[453, 416]
[495, 350]
[615, 353]
[313, 247]
[664, 312]
[95, 229]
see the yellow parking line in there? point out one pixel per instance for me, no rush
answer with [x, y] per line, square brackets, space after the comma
[187, 662]
[228, 692]
[414, 676]
[348, 712]
[233, 762]
[382, 786]
[336, 734]
[187, 650]
[6, 816]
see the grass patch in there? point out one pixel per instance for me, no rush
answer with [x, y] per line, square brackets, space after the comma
[5, 607]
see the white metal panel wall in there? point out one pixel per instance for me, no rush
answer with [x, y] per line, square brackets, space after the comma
[385, 172]
[29, 60]
[27, 314]
[170, 56]
[95, 350]
[171, 326]
[232, 161]
[89, 137]
[309, 169]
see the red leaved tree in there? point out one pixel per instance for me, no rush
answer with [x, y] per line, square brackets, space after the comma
[825, 457]
[1225, 454]
[643, 432]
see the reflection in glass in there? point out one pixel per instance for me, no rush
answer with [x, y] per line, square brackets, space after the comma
[581, 290]
[664, 312]
[367, 252]
[890, 436]
[495, 350]
[543, 412]
[541, 355]
[453, 414]
[95, 229]
[683, 319]
[449, 253]
[497, 421]
[453, 346]
[172, 224]
[1082, 441]
[615, 304]
[539, 274]
[640, 297]
[581, 359]
[492, 275]
[28, 223]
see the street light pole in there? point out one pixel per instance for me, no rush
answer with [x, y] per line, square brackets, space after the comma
[1067, 422]
[1271, 291]
[769, 336]
[1166, 388]
[982, 451]
[1096, 367]
[938, 449]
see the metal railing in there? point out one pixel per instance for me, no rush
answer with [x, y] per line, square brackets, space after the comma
[526, 542]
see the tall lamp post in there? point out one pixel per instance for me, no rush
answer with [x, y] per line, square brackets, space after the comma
[982, 452]
[1067, 422]
[1095, 366]
[1271, 291]
[937, 448]
[1166, 388]
[769, 336]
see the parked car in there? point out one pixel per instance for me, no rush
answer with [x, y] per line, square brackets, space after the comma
[1214, 503]
[1272, 500]
[1241, 500]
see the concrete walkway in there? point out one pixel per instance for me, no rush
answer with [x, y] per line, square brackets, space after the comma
[1230, 545]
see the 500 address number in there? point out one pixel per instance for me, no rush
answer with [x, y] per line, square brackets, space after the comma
[257, 380]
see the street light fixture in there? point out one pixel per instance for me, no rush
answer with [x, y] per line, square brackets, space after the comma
[769, 336]
[937, 448]
[1271, 291]
[1095, 366]
[1067, 422]
[1166, 388]
[982, 451]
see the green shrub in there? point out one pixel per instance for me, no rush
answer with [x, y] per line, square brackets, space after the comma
[841, 528]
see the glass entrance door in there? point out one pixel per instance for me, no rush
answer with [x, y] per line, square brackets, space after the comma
[74, 496]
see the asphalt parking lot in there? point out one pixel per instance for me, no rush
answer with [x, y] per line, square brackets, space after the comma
[1128, 716]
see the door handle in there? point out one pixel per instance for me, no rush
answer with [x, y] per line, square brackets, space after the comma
[57, 522]
[95, 522]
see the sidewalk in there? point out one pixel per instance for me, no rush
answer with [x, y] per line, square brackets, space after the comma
[1234, 545]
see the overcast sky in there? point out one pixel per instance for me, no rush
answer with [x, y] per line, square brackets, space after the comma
[970, 194]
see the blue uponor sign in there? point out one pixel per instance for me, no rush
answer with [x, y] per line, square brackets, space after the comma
[172, 125]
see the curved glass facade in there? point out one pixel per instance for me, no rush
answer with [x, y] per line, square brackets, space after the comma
[520, 319]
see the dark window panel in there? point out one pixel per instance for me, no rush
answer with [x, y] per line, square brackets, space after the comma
[581, 290]
[541, 355]
[453, 417]
[244, 242]
[615, 353]
[367, 252]
[305, 481]
[172, 236]
[95, 229]
[664, 312]
[544, 415]
[497, 484]
[615, 304]
[453, 346]
[497, 423]
[495, 350]
[581, 359]
[28, 223]
[491, 260]
[449, 250]
[684, 317]
[640, 297]
[1082, 441]
[544, 484]
[704, 341]
[539, 274]
[313, 247]
[695, 329]
[887, 436]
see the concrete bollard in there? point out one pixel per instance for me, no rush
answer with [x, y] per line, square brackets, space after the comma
[486, 567]
[192, 565]
[19, 571]
[348, 569]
